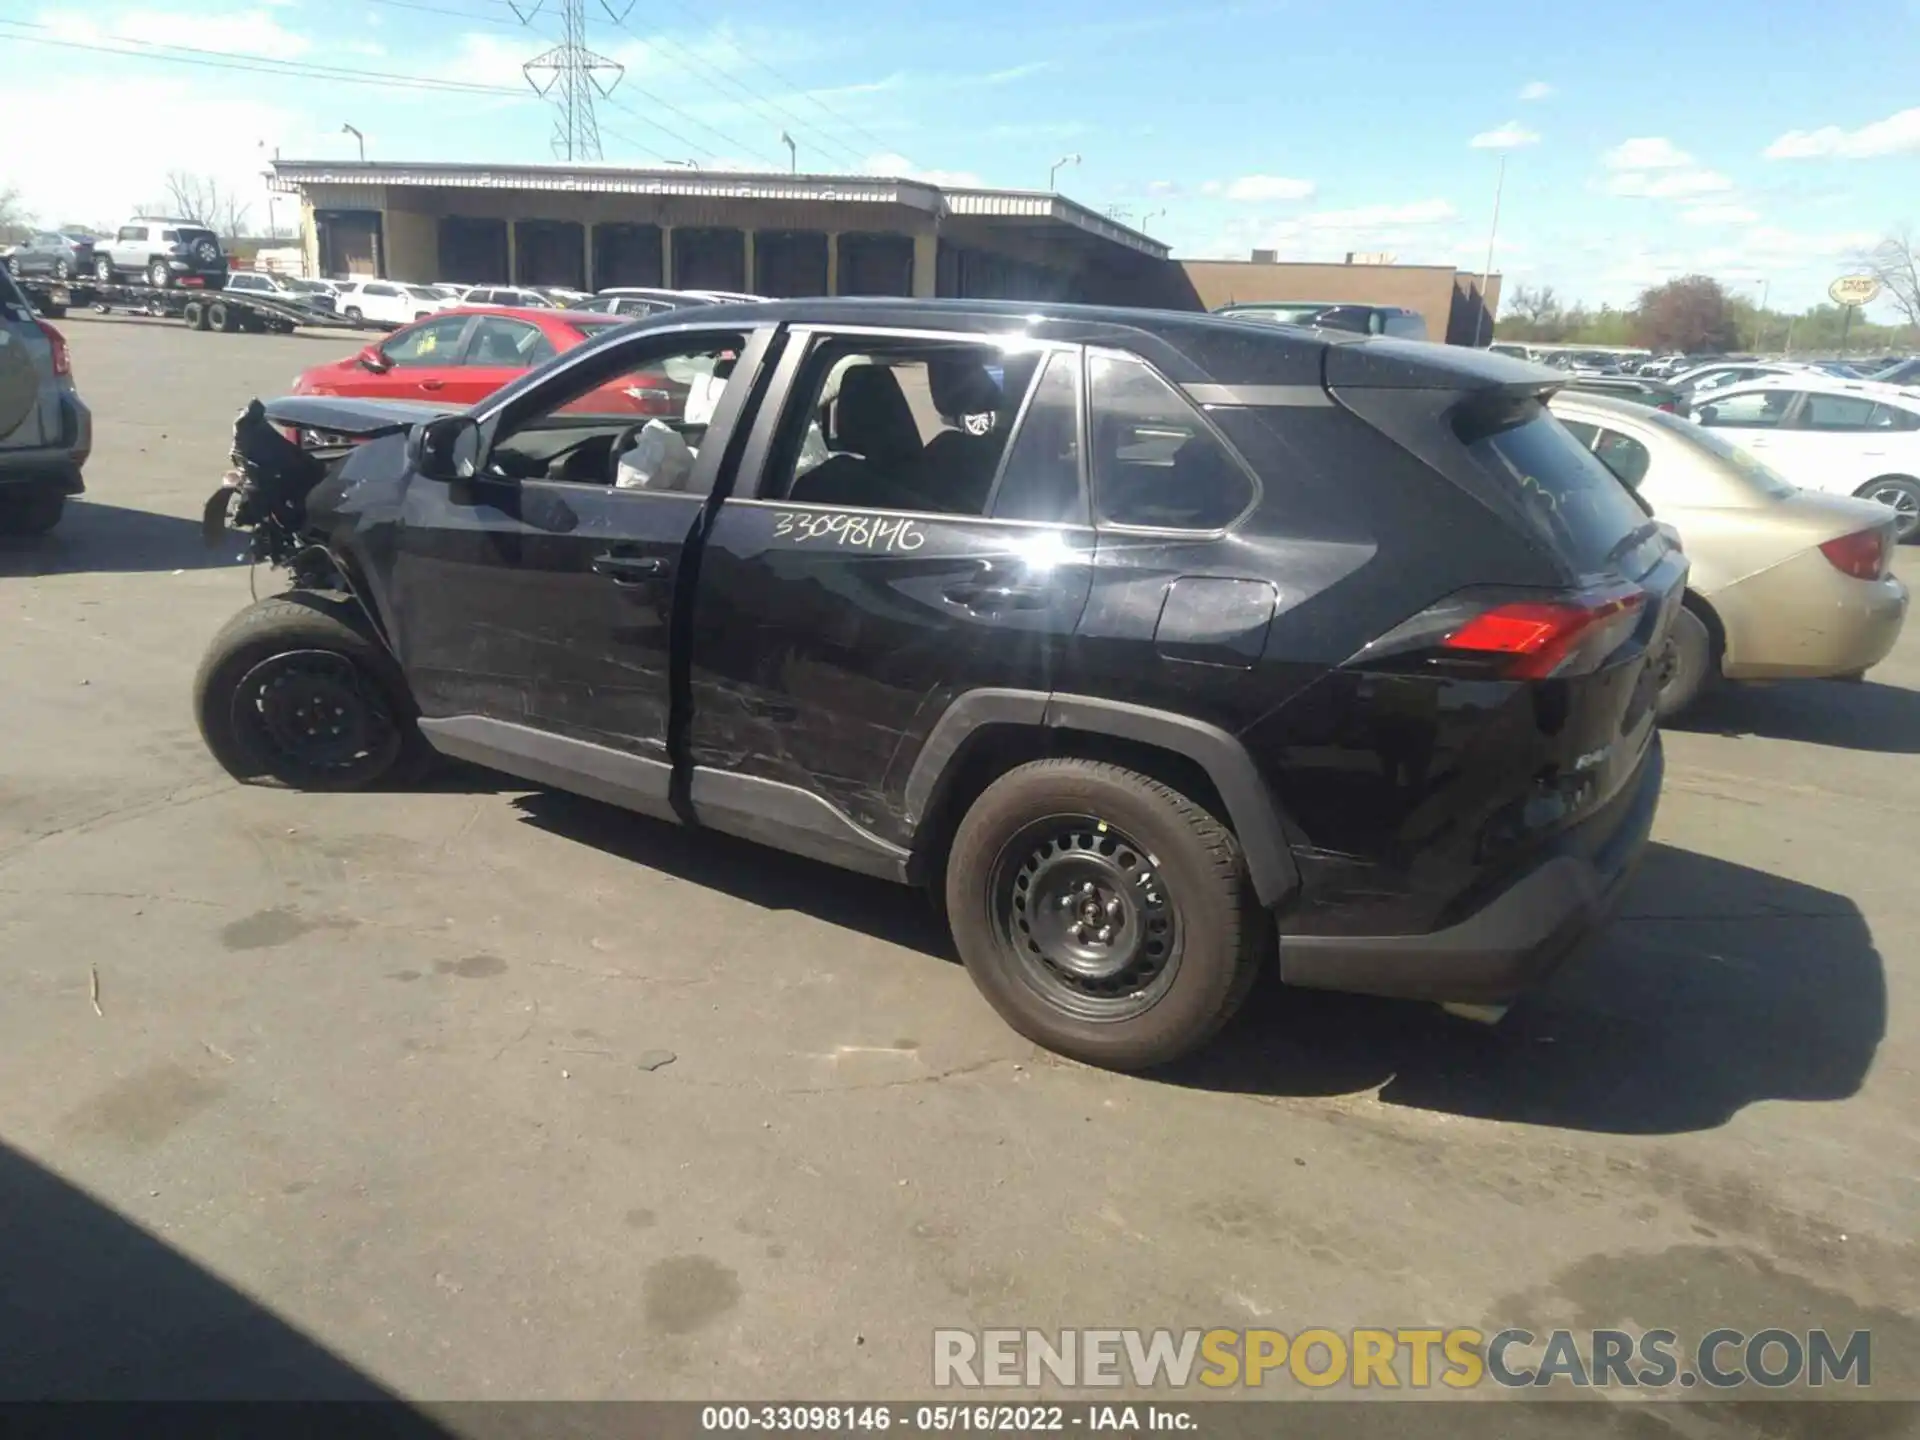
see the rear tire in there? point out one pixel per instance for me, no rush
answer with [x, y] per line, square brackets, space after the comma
[1688, 665]
[62, 270]
[353, 313]
[194, 312]
[222, 317]
[1900, 493]
[296, 689]
[32, 512]
[103, 270]
[158, 275]
[1103, 914]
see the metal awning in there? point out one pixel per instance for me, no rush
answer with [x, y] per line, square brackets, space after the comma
[290, 176]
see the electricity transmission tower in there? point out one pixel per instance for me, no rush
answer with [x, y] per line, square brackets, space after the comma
[570, 73]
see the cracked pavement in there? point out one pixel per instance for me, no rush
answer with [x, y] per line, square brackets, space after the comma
[376, 1061]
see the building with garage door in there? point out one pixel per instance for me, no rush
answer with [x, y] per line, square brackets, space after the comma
[596, 226]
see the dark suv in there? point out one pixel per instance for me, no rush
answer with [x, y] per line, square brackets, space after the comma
[1222, 634]
[161, 252]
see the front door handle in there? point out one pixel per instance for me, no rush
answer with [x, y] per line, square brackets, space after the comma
[433, 384]
[992, 598]
[629, 569]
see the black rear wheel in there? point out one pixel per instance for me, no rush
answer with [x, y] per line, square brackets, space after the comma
[62, 270]
[1104, 914]
[295, 689]
[1686, 667]
[30, 512]
[103, 270]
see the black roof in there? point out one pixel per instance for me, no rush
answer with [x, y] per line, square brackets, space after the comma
[1189, 345]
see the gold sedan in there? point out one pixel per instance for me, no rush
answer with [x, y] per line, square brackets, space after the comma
[1785, 583]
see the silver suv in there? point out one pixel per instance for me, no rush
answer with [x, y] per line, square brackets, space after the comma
[46, 432]
[161, 252]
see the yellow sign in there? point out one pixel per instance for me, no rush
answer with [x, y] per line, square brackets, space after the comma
[1854, 290]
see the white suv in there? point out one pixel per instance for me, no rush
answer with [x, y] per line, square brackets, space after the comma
[388, 301]
[1846, 437]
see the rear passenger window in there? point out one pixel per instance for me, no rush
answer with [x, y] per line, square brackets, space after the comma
[1156, 463]
[1041, 477]
[1836, 412]
[1624, 456]
[908, 425]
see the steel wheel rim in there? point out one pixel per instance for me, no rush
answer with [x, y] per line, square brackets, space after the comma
[1086, 914]
[1904, 503]
[314, 715]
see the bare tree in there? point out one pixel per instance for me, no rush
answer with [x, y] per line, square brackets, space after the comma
[15, 218]
[1692, 314]
[1896, 265]
[199, 198]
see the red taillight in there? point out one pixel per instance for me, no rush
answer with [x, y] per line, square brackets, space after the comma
[1666, 405]
[1488, 634]
[62, 356]
[1544, 638]
[1863, 554]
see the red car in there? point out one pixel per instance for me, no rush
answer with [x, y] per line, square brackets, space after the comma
[463, 356]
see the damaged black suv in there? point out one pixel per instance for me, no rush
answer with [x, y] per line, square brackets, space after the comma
[1219, 642]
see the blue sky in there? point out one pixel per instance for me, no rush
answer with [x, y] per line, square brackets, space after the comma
[1763, 143]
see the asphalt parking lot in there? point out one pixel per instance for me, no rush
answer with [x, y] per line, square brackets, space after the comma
[485, 1092]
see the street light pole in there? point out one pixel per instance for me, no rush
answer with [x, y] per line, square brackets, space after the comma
[349, 130]
[1150, 217]
[1486, 311]
[793, 153]
[1063, 160]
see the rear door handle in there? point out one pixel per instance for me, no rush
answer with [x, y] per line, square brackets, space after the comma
[629, 569]
[432, 384]
[991, 598]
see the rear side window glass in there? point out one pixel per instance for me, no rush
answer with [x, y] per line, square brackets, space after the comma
[169, 237]
[1755, 410]
[1407, 326]
[1890, 417]
[1156, 463]
[1573, 501]
[1041, 477]
[1624, 456]
[1836, 412]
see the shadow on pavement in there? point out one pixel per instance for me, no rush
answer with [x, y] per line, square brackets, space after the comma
[1717, 986]
[92, 538]
[1864, 716]
[771, 879]
[95, 1308]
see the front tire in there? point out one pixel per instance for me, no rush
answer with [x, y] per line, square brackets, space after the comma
[1104, 914]
[297, 690]
[1901, 494]
[353, 313]
[34, 512]
[1686, 666]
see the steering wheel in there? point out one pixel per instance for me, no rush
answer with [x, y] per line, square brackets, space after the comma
[622, 443]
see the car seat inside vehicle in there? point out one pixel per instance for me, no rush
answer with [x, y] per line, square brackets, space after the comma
[874, 446]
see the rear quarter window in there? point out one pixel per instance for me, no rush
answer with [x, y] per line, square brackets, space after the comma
[1570, 499]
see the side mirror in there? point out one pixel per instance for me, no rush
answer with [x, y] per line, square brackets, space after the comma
[375, 359]
[1705, 415]
[445, 448]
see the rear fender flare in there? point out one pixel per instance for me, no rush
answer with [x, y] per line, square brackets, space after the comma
[1250, 808]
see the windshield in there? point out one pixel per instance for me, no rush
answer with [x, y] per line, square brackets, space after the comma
[305, 286]
[1281, 314]
[1764, 478]
[1575, 503]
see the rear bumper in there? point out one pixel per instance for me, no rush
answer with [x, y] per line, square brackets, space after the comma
[55, 465]
[1513, 941]
[1805, 619]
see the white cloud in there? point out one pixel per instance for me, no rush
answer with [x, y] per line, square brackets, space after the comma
[1718, 213]
[251, 32]
[1652, 152]
[1019, 72]
[1163, 187]
[900, 167]
[1384, 217]
[1509, 136]
[1535, 90]
[1269, 187]
[1210, 187]
[1896, 135]
[1673, 185]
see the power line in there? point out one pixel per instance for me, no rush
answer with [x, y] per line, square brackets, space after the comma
[794, 86]
[260, 64]
[691, 59]
[467, 15]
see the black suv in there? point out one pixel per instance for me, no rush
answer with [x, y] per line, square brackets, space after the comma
[1222, 634]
